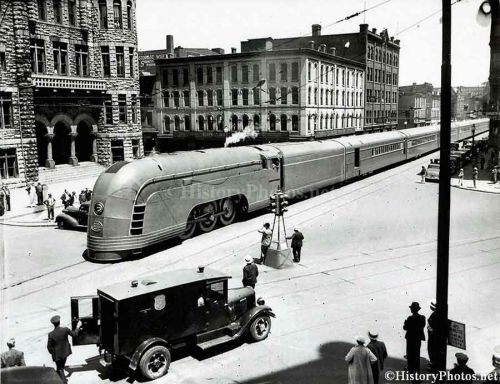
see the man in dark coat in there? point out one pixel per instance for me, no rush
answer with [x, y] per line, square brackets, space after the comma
[58, 345]
[250, 273]
[12, 357]
[6, 192]
[432, 337]
[414, 326]
[462, 369]
[297, 238]
[39, 194]
[380, 351]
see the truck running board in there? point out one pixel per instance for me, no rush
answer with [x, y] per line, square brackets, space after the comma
[212, 343]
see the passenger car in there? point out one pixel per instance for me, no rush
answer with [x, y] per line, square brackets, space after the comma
[145, 320]
[29, 375]
[73, 217]
[432, 172]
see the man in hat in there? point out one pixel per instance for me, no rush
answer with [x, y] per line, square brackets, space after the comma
[12, 357]
[250, 272]
[461, 369]
[50, 203]
[297, 238]
[432, 337]
[380, 351]
[414, 326]
[494, 376]
[39, 194]
[58, 344]
[360, 360]
[265, 242]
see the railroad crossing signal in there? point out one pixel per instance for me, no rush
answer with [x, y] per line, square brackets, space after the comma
[279, 203]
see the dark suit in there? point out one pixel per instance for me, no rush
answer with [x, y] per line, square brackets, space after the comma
[250, 273]
[414, 326]
[432, 340]
[379, 350]
[59, 347]
[12, 358]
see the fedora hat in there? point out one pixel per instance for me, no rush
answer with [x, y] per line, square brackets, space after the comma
[415, 305]
[248, 259]
[373, 335]
[360, 339]
[462, 358]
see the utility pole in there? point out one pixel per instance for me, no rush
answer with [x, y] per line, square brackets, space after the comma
[443, 240]
[494, 79]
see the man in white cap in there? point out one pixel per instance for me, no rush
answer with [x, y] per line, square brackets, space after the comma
[359, 360]
[494, 376]
[250, 272]
[432, 340]
[12, 357]
[297, 238]
[380, 351]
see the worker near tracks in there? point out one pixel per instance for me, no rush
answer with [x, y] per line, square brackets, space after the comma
[297, 239]
[12, 357]
[422, 174]
[380, 351]
[250, 272]
[265, 242]
[414, 326]
[58, 345]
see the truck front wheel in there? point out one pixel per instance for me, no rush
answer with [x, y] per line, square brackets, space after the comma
[154, 362]
[260, 328]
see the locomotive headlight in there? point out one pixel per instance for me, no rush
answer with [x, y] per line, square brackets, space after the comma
[96, 227]
[98, 208]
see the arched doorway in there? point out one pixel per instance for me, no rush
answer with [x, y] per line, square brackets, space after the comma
[83, 141]
[41, 143]
[61, 144]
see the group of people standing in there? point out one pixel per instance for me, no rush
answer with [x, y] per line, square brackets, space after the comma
[4, 199]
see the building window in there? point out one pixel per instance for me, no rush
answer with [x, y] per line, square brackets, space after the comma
[309, 93]
[220, 97]
[57, 7]
[177, 123]
[129, 15]
[106, 66]
[220, 122]
[272, 96]
[122, 108]
[234, 96]
[234, 73]
[234, 122]
[295, 95]
[103, 14]
[201, 123]
[8, 163]
[210, 76]
[295, 123]
[3, 61]
[256, 96]
[256, 72]
[117, 151]
[187, 98]
[295, 71]
[175, 77]
[283, 122]
[60, 51]
[185, 76]
[120, 62]
[72, 12]
[244, 74]
[134, 108]
[5, 111]
[272, 122]
[218, 75]
[108, 111]
[82, 60]
[284, 72]
[117, 13]
[200, 98]
[37, 49]
[256, 121]
[199, 75]
[42, 12]
[315, 96]
[336, 97]
[131, 61]
[337, 76]
[272, 72]
[321, 97]
[309, 71]
[166, 99]
[244, 93]
[210, 122]
[187, 123]
[136, 148]
[284, 95]
[210, 97]
[321, 73]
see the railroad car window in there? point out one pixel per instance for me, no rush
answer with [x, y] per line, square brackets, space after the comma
[263, 161]
[356, 157]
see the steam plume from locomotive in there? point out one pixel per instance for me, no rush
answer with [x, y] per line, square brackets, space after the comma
[236, 137]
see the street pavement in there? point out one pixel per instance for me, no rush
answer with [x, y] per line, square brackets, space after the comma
[369, 251]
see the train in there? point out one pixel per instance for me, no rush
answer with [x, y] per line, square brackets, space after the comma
[144, 202]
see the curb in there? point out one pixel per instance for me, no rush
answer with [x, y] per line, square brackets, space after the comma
[28, 224]
[476, 189]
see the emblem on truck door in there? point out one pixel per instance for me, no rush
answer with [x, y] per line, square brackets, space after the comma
[159, 302]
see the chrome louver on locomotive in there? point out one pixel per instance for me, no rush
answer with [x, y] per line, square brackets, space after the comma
[137, 223]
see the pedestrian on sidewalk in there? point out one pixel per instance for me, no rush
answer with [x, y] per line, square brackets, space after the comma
[39, 194]
[12, 357]
[297, 239]
[6, 192]
[359, 360]
[72, 198]
[414, 326]
[461, 177]
[31, 194]
[475, 173]
[461, 369]
[380, 351]
[432, 337]
[422, 174]
[50, 203]
[58, 344]
[482, 161]
[494, 175]
[64, 198]
[250, 272]
[265, 242]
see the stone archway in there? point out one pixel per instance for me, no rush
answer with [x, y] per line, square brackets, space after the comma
[83, 141]
[41, 142]
[61, 143]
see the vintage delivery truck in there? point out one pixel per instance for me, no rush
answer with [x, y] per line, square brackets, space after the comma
[144, 320]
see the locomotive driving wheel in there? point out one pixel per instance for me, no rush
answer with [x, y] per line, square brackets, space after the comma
[208, 213]
[190, 228]
[228, 210]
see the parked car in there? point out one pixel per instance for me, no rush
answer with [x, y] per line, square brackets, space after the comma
[74, 217]
[143, 321]
[432, 172]
[29, 375]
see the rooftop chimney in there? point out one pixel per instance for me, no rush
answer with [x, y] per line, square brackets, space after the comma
[322, 48]
[220, 51]
[233, 50]
[396, 41]
[392, 39]
[269, 45]
[316, 29]
[170, 45]
[333, 51]
[311, 44]
[374, 30]
[363, 28]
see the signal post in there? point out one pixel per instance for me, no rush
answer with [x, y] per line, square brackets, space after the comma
[279, 254]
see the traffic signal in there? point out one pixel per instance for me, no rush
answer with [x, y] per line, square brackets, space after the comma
[279, 203]
[283, 203]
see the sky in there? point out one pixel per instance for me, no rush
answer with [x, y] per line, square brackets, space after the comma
[224, 23]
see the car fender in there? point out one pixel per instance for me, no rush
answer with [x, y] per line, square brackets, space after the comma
[67, 219]
[249, 316]
[134, 360]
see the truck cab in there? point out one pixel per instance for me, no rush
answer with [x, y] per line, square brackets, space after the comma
[144, 320]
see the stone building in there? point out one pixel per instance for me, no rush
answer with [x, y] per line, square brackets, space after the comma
[379, 53]
[272, 95]
[69, 85]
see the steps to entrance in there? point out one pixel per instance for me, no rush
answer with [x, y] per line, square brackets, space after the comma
[66, 172]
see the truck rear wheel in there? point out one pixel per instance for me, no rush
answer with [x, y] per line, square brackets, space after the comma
[154, 362]
[260, 328]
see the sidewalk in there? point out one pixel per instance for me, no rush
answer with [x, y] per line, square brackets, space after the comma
[483, 183]
[21, 214]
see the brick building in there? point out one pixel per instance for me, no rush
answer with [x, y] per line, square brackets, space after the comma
[378, 52]
[69, 84]
[279, 94]
[419, 105]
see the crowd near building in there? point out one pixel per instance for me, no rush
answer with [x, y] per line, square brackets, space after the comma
[69, 85]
